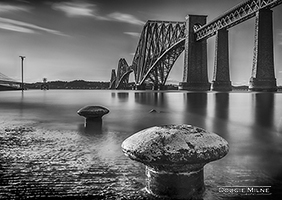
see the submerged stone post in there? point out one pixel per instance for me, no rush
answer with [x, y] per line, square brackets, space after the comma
[221, 76]
[263, 75]
[93, 116]
[174, 156]
[195, 75]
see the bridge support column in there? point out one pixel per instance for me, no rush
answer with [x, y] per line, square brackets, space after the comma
[195, 76]
[159, 87]
[221, 76]
[263, 76]
[140, 87]
[113, 80]
[162, 87]
[155, 87]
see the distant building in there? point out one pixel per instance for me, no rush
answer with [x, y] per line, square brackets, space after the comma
[44, 85]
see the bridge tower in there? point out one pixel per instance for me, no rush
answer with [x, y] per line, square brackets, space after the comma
[221, 77]
[113, 79]
[121, 79]
[263, 76]
[195, 76]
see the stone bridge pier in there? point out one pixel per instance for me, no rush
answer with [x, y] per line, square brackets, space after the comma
[263, 75]
[221, 77]
[195, 76]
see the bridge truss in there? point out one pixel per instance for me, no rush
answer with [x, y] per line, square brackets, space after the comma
[162, 42]
[123, 73]
[234, 16]
[158, 48]
[120, 79]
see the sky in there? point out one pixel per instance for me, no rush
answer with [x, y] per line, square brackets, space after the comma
[84, 39]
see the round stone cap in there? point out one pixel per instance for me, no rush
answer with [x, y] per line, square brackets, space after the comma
[175, 144]
[93, 111]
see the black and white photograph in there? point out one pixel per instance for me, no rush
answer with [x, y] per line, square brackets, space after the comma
[141, 99]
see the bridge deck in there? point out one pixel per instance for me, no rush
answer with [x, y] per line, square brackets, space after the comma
[234, 16]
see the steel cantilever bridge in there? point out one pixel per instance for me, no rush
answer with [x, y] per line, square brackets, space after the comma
[162, 42]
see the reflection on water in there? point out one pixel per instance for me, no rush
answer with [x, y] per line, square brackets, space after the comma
[92, 126]
[264, 108]
[45, 143]
[196, 103]
[222, 105]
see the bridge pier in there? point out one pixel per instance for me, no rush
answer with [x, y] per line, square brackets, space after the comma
[195, 76]
[140, 87]
[221, 77]
[159, 87]
[263, 76]
[155, 87]
[162, 87]
[113, 80]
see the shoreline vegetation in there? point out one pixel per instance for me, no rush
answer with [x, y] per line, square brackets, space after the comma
[76, 84]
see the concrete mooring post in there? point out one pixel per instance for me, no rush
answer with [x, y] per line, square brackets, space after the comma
[174, 156]
[93, 117]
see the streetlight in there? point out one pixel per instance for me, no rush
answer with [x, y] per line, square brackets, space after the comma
[22, 57]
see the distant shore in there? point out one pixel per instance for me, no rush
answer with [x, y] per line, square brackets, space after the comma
[93, 85]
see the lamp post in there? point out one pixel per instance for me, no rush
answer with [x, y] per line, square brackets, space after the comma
[22, 57]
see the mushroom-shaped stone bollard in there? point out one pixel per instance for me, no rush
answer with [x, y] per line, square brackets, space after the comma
[174, 156]
[93, 113]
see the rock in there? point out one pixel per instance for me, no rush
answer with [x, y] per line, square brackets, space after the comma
[174, 156]
[153, 111]
[93, 112]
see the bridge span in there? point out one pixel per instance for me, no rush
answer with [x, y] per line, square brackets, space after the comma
[161, 43]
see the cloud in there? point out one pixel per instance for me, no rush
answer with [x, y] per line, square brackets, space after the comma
[77, 9]
[127, 18]
[18, 26]
[85, 9]
[11, 8]
[134, 34]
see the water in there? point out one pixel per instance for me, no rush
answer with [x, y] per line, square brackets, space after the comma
[46, 150]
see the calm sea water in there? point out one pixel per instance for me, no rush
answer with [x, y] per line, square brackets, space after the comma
[46, 149]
